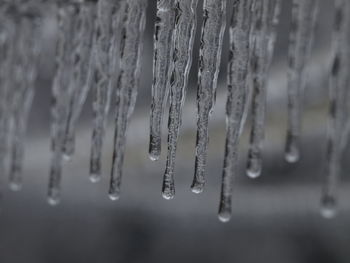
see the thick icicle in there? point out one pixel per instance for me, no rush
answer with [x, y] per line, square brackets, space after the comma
[128, 82]
[184, 33]
[61, 95]
[25, 65]
[304, 14]
[261, 23]
[102, 82]
[237, 93]
[82, 54]
[213, 27]
[163, 46]
[338, 85]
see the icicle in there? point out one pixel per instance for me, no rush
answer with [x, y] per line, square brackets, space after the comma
[237, 93]
[259, 68]
[214, 22]
[128, 82]
[7, 32]
[275, 9]
[339, 83]
[184, 33]
[83, 45]
[102, 84]
[163, 46]
[24, 86]
[304, 14]
[62, 94]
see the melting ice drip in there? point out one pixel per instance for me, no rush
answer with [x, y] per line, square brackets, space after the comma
[99, 47]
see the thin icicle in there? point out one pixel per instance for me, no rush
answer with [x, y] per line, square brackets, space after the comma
[102, 85]
[338, 86]
[259, 69]
[83, 37]
[7, 32]
[128, 82]
[61, 95]
[237, 93]
[304, 13]
[275, 10]
[24, 85]
[213, 27]
[184, 33]
[163, 46]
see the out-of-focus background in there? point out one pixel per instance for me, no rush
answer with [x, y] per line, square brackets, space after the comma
[275, 217]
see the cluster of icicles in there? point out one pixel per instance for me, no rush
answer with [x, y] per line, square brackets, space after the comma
[99, 49]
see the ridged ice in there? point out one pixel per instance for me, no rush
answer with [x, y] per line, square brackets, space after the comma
[61, 94]
[81, 79]
[184, 33]
[213, 27]
[261, 55]
[23, 87]
[304, 13]
[134, 20]
[237, 95]
[338, 86]
[163, 47]
[103, 78]
[7, 36]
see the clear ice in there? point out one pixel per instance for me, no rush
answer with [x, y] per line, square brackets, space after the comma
[304, 15]
[213, 27]
[134, 21]
[237, 95]
[184, 33]
[338, 88]
[163, 47]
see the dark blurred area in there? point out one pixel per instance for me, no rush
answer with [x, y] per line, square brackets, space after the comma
[275, 218]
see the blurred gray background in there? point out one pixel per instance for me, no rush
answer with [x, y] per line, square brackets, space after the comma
[275, 217]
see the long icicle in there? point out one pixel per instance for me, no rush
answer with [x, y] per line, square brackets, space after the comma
[237, 93]
[7, 33]
[163, 46]
[338, 85]
[259, 68]
[184, 33]
[213, 27]
[61, 95]
[82, 73]
[304, 13]
[128, 82]
[101, 81]
[28, 52]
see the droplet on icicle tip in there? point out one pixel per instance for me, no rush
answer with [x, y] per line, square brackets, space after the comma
[53, 200]
[292, 153]
[15, 186]
[154, 152]
[168, 193]
[197, 188]
[328, 207]
[113, 196]
[224, 216]
[95, 178]
[253, 167]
